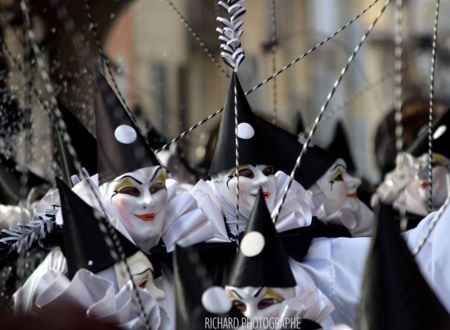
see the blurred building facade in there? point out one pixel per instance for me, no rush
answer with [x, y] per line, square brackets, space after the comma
[161, 67]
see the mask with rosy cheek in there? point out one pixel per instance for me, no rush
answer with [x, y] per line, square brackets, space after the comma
[396, 180]
[259, 302]
[335, 190]
[251, 178]
[440, 186]
[137, 199]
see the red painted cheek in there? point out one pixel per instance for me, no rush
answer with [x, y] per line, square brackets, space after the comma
[122, 209]
[339, 191]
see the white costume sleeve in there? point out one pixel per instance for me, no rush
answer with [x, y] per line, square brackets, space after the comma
[434, 257]
[185, 223]
[297, 208]
[309, 300]
[25, 296]
[206, 200]
[97, 297]
[337, 266]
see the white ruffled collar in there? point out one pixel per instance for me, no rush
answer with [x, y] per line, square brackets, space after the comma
[98, 298]
[296, 211]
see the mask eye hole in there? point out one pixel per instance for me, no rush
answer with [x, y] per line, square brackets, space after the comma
[267, 302]
[154, 188]
[239, 305]
[132, 191]
[247, 173]
[268, 171]
[339, 177]
[435, 163]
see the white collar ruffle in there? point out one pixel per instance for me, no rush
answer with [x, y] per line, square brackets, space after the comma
[296, 211]
[98, 298]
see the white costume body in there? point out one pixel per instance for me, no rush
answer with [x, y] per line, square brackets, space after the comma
[100, 294]
[336, 265]
[296, 213]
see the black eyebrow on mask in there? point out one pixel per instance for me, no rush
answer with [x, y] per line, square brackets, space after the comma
[338, 165]
[129, 176]
[258, 292]
[154, 174]
[237, 294]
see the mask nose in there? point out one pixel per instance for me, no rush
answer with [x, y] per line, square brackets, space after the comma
[250, 311]
[352, 182]
[260, 180]
[146, 200]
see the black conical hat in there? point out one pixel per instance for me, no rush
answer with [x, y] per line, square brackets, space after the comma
[10, 181]
[189, 288]
[395, 295]
[340, 147]
[268, 268]
[121, 147]
[84, 242]
[285, 149]
[300, 127]
[251, 146]
[440, 135]
[82, 140]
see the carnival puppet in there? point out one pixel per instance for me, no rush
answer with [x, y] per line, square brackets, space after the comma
[407, 187]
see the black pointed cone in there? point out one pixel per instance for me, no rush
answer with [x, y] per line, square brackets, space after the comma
[155, 138]
[84, 242]
[252, 151]
[190, 313]
[10, 181]
[395, 295]
[441, 138]
[340, 147]
[285, 149]
[82, 140]
[270, 267]
[300, 127]
[115, 157]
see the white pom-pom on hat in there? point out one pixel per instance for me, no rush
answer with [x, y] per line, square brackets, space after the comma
[215, 300]
[125, 134]
[245, 131]
[252, 244]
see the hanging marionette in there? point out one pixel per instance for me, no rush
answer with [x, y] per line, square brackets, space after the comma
[265, 154]
[407, 187]
[262, 285]
[95, 281]
[150, 211]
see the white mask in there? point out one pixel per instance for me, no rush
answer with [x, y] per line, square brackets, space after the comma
[137, 199]
[251, 178]
[440, 168]
[335, 188]
[396, 181]
[336, 201]
[259, 302]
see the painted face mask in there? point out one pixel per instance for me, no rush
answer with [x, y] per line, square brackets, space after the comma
[417, 190]
[335, 188]
[415, 196]
[336, 201]
[259, 302]
[251, 178]
[396, 181]
[137, 199]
